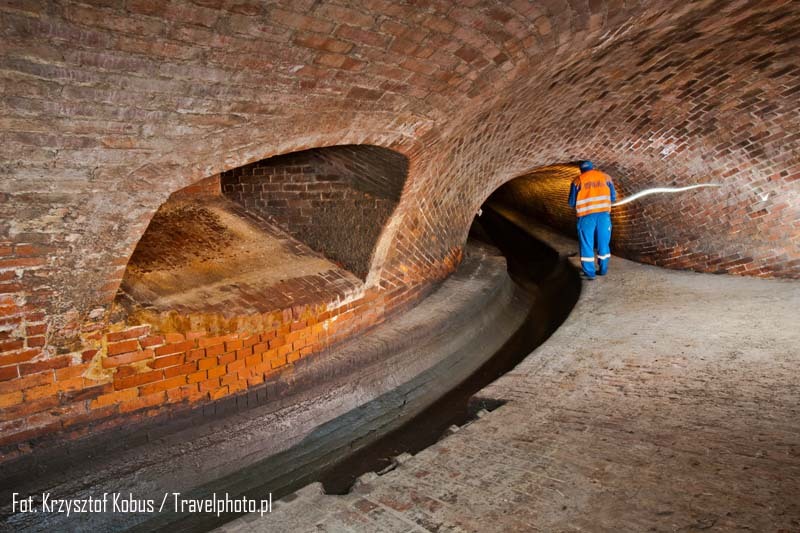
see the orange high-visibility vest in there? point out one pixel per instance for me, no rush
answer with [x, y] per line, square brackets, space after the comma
[594, 194]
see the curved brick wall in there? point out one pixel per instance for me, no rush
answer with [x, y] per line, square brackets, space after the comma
[109, 107]
[695, 95]
[544, 192]
[336, 200]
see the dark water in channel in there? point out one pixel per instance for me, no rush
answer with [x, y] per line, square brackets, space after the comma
[554, 288]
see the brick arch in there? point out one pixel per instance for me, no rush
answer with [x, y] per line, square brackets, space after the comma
[679, 98]
[299, 228]
[154, 182]
[130, 102]
[541, 194]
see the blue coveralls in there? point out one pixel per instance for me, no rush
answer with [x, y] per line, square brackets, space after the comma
[590, 226]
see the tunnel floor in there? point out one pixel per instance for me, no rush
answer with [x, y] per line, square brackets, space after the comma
[666, 402]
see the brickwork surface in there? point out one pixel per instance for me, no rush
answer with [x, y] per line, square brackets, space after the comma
[543, 195]
[203, 255]
[110, 107]
[284, 425]
[336, 200]
[666, 402]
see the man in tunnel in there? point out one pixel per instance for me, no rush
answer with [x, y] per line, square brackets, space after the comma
[591, 194]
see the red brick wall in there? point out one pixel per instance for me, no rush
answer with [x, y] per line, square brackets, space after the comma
[125, 373]
[336, 200]
[374, 170]
[108, 108]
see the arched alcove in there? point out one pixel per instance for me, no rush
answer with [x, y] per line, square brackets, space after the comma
[542, 195]
[292, 229]
[336, 200]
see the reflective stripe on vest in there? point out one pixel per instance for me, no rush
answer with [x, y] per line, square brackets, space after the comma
[595, 199]
[594, 194]
[595, 208]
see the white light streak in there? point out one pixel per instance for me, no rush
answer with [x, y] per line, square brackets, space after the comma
[659, 190]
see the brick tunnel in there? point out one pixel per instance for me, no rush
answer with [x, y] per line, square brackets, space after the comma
[237, 236]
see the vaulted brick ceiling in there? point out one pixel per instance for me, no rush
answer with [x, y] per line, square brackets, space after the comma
[109, 106]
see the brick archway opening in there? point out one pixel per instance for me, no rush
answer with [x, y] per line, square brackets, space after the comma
[542, 195]
[290, 230]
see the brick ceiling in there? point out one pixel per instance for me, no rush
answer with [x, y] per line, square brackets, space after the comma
[109, 106]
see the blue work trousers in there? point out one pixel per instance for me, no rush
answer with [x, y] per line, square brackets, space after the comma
[595, 230]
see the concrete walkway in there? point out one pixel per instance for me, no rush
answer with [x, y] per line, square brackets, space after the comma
[668, 401]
